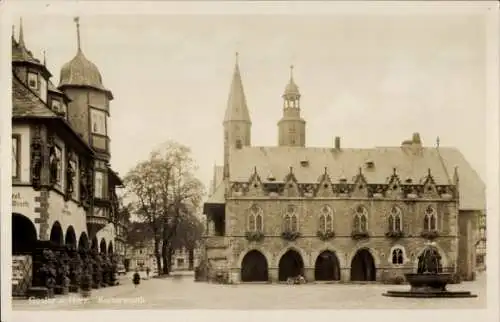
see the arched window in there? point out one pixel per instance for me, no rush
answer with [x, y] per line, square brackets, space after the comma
[326, 219]
[430, 219]
[361, 219]
[397, 256]
[395, 220]
[291, 220]
[255, 219]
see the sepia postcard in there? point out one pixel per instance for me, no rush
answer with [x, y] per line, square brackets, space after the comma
[249, 160]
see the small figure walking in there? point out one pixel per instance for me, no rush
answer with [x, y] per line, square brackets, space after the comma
[137, 278]
[147, 272]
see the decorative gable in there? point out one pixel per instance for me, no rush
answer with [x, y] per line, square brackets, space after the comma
[291, 188]
[325, 186]
[394, 186]
[255, 186]
[360, 186]
[429, 189]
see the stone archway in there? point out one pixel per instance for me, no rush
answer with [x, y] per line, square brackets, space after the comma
[102, 246]
[83, 241]
[363, 266]
[254, 267]
[291, 264]
[24, 235]
[110, 248]
[70, 239]
[327, 267]
[56, 234]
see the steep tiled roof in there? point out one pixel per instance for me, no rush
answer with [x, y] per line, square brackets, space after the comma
[218, 197]
[25, 103]
[409, 163]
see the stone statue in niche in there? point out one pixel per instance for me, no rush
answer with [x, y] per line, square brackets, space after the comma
[84, 194]
[36, 159]
[70, 176]
[54, 160]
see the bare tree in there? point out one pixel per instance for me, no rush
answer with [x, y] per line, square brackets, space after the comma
[166, 190]
[142, 184]
[181, 193]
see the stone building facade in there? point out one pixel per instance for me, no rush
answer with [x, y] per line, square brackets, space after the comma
[63, 188]
[334, 213]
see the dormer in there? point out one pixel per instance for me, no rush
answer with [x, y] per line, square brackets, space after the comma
[57, 101]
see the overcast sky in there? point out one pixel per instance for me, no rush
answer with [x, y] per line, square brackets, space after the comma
[370, 79]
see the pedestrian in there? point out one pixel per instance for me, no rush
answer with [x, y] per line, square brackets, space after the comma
[147, 272]
[137, 278]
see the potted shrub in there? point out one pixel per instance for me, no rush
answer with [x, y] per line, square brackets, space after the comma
[325, 235]
[429, 234]
[290, 235]
[394, 234]
[86, 285]
[254, 236]
[356, 234]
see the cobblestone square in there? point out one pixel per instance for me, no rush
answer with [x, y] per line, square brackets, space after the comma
[181, 292]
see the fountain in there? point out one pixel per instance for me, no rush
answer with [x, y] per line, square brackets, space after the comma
[429, 281]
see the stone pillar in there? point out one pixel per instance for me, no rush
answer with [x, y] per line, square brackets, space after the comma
[309, 274]
[273, 274]
[345, 274]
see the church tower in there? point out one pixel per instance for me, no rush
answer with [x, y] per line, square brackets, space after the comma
[291, 127]
[237, 124]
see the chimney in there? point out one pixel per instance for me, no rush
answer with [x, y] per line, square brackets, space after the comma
[337, 143]
[416, 138]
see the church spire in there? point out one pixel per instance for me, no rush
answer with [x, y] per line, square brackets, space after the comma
[237, 109]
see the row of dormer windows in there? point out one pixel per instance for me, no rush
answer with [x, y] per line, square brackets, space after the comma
[360, 220]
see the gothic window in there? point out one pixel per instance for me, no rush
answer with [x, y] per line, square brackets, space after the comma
[255, 219]
[361, 219]
[430, 219]
[99, 184]
[326, 219]
[291, 220]
[397, 256]
[98, 119]
[238, 144]
[33, 81]
[395, 220]
[16, 158]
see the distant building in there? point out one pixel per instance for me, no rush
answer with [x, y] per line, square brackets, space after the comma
[334, 213]
[141, 256]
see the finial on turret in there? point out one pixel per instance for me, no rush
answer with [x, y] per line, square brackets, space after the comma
[13, 32]
[437, 142]
[291, 72]
[44, 58]
[77, 22]
[21, 33]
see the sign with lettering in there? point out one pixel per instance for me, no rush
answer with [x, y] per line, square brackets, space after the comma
[22, 273]
[18, 201]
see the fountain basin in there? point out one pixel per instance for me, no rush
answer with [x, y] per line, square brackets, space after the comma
[429, 285]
